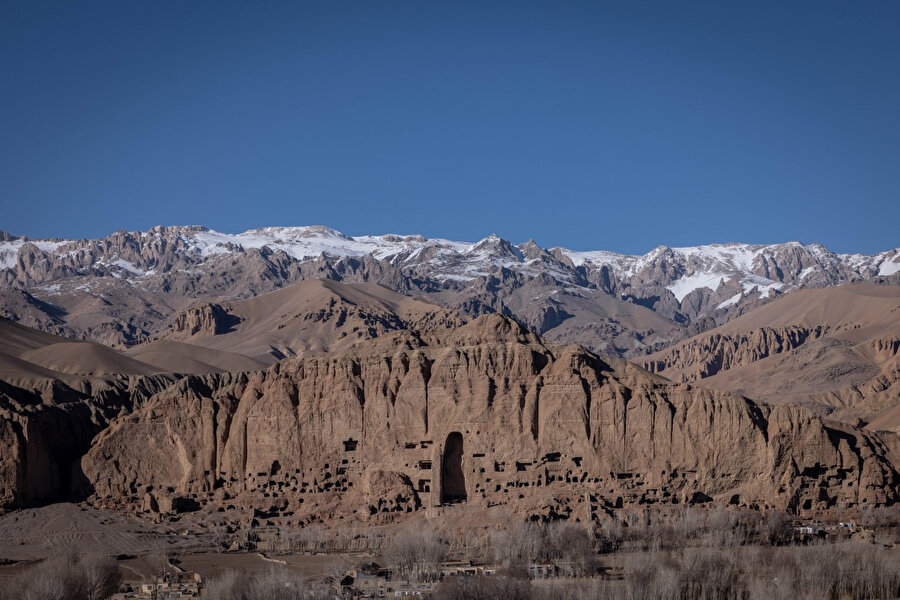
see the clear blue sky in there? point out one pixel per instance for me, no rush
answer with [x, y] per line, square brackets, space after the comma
[614, 125]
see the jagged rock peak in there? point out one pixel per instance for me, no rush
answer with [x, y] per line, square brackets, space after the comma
[151, 276]
[492, 328]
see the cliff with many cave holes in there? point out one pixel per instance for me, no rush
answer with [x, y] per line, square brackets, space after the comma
[490, 415]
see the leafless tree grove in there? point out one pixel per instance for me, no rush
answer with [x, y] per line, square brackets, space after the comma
[417, 555]
[67, 576]
[276, 584]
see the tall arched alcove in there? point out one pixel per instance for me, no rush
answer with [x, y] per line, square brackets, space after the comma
[453, 482]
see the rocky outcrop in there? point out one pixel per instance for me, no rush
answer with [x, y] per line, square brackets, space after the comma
[206, 319]
[490, 415]
[885, 348]
[706, 355]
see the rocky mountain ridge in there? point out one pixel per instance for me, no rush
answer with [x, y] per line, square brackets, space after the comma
[126, 287]
[836, 349]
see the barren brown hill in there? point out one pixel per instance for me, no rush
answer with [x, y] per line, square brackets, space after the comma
[32, 534]
[86, 358]
[16, 338]
[56, 394]
[33, 359]
[489, 415]
[181, 357]
[835, 348]
[310, 316]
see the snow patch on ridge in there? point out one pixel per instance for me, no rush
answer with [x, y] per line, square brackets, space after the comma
[685, 285]
[739, 256]
[806, 273]
[311, 242]
[9, 251]
[130, 267]
[620, 262]
[731, 301]
[889, 267]
[7, 259]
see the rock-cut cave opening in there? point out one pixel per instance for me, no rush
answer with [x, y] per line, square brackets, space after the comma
[453, 482]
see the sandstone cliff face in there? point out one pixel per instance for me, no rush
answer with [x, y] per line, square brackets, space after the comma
[557, 430]
[43, 434]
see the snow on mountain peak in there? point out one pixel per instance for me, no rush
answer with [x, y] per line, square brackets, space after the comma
[681, 270]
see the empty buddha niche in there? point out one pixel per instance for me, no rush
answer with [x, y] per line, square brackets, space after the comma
[453, 482]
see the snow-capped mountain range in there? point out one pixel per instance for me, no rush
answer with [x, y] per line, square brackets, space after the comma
[689, 268]
[682, 284]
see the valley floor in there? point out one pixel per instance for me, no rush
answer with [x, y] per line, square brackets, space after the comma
[700, 553]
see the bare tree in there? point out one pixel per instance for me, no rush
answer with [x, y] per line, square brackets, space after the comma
[578, 550]
[313, 538]
[219, 536]
[159, 562]
[101, 577]
[275, 584]
[611, 533]
[336, 569]
[524, 542]
[650, 577]
[226, 586]
[416, 555]
[775, 528]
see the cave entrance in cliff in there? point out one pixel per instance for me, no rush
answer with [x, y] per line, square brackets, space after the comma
[453, 482]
